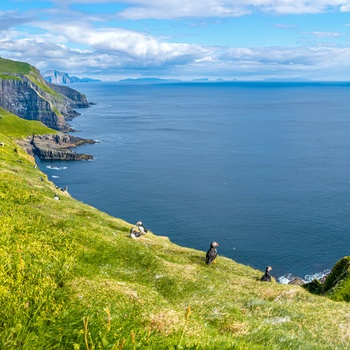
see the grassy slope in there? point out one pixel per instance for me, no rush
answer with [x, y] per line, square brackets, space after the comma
[33, 74]
[15, 67]
[13, 126]
[71, 278]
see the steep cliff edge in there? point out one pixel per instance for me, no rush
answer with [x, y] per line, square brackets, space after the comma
[25, 93]
[336, 285]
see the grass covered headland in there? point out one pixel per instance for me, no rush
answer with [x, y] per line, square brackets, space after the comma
[72, 278]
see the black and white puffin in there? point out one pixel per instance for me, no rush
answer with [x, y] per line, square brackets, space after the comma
[211, 253]
[266, 277]
[57, 197]
[134, 233]
[141, 228]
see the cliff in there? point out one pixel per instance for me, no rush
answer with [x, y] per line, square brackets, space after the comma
[56, 77]
[25, 93]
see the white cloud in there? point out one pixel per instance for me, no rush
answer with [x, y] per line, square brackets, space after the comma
[165, 9]
[140, 9]
[128, 46]
[284, 26]
[345, 8]
[78, 43]
[120, 53]
[322, 35]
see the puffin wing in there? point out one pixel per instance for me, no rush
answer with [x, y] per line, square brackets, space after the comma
[211, 255]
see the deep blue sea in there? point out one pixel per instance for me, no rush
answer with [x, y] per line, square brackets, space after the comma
[261, 168]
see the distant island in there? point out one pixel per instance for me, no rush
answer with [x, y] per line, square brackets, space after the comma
[148, 80]
[56, 77]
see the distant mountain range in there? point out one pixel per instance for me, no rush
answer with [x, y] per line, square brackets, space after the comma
[148, 80]
[56, 77]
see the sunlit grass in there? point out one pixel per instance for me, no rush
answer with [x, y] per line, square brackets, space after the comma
[71, 278]
[11, 125]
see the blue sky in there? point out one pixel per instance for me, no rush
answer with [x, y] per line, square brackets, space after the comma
[215, 39]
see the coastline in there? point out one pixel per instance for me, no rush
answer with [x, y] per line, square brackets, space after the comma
[56, 146]
[290, 278]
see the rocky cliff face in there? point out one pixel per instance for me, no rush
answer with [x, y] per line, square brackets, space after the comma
[56, 77]
[55, 146]
[74, 99]
[31, 98]
[25, 93]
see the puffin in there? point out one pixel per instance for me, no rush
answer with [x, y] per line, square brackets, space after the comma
[57, 197]
[141, 228]
[134, 233]
[211, 253]
[266, 277]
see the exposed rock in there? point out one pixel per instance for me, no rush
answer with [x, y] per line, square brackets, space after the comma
[55, 146]
[34, 99]
[297, 281]
[74, 98]
[25, 93]
[56, 77]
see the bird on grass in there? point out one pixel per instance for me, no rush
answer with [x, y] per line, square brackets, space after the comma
[65, 189]
[211, 253]
[266, 277]
[57, 197]
[141, 228]
[134, 233]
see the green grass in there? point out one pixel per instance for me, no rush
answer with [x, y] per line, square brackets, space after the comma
[34, 78]
[9, 77]
[15, 67]
[11, 125]
[71, 278]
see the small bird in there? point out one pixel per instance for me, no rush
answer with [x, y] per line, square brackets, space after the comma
[57, 197]
[65, 189]
[134, 233]
[141, 228]
[211, 253]
[266, 277]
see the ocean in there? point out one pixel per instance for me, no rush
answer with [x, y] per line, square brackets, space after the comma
[261, 168]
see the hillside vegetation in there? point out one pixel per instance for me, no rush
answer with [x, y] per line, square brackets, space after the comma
[33, 74]
[11, 125]
[71, 278]
[24, 92]
[15, 66]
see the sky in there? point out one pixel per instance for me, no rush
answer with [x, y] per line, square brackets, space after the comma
[183, 39]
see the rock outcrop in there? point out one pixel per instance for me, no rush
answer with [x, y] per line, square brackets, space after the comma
[55, 146]
[74, 99]
[25, 93]
[30, 97]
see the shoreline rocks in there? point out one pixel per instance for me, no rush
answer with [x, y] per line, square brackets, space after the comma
[56, 146]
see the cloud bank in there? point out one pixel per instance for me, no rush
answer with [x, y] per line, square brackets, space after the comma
[84, 44]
